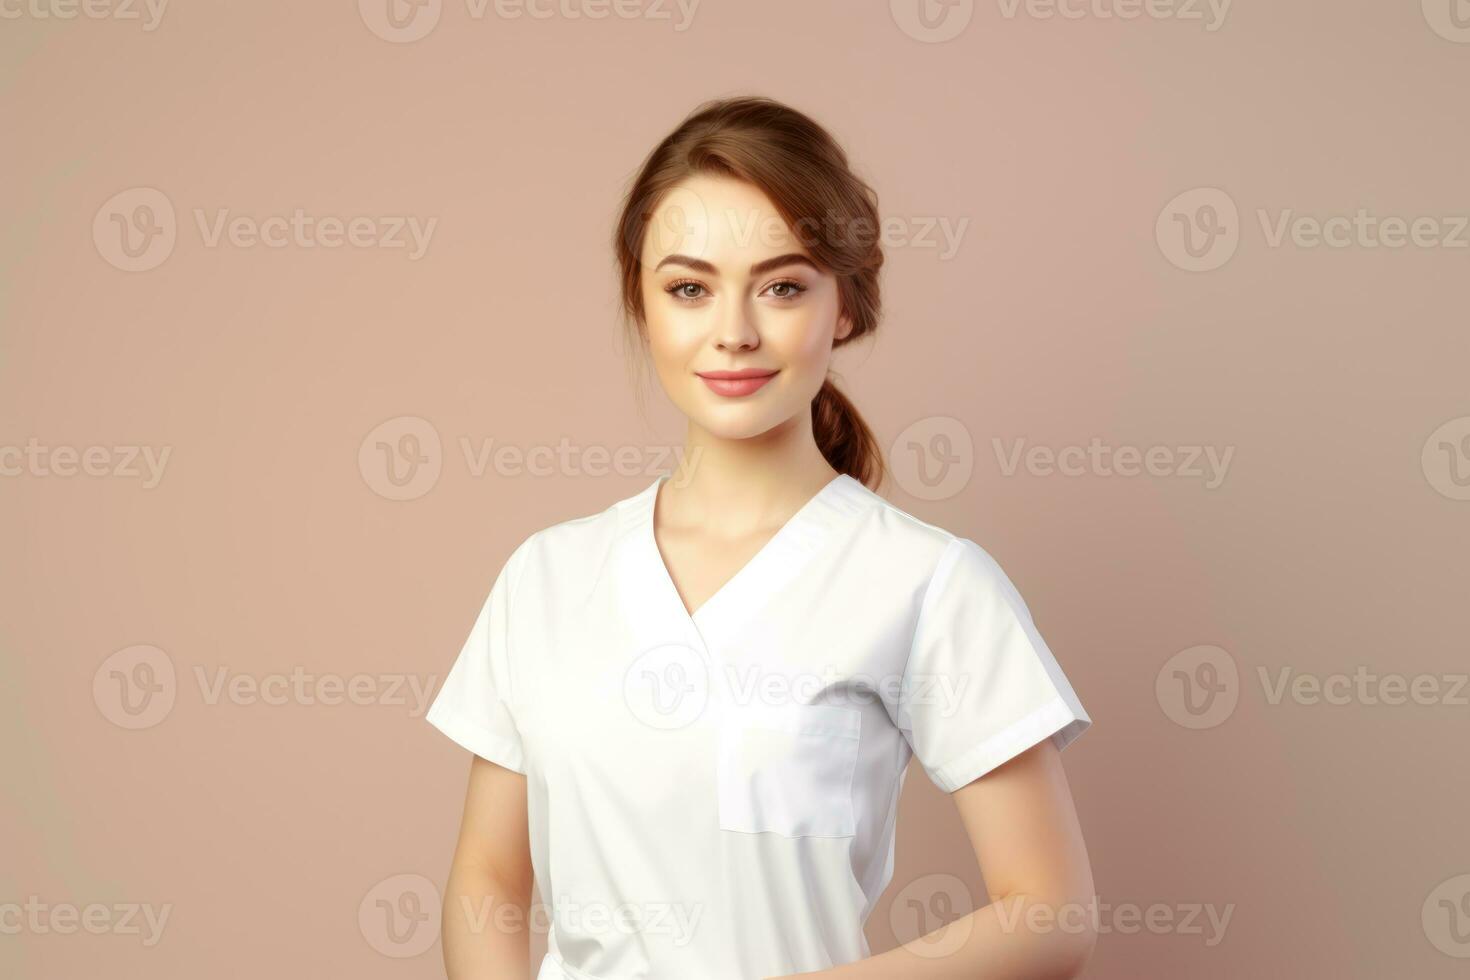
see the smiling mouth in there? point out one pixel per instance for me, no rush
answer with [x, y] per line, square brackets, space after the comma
[736, 384]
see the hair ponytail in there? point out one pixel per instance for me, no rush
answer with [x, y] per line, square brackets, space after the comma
[800, 167]
[844, 438]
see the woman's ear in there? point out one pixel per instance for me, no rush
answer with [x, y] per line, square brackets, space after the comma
[844, 327]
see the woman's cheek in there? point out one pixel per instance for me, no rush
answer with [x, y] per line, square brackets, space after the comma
[806, 339]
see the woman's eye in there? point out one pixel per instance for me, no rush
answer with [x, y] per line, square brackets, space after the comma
[787, 289]
[686, 290]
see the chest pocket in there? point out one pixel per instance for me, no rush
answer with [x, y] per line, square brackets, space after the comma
[788, 769]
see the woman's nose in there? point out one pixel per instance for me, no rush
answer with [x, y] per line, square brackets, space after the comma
[737, 330]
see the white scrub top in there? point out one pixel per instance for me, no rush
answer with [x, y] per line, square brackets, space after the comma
[714, 796]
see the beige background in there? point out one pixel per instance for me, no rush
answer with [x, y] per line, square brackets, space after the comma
[1334, 834]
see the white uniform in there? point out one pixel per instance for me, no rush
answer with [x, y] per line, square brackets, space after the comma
[713, 797]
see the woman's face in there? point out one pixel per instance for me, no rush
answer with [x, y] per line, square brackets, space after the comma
[740, 320]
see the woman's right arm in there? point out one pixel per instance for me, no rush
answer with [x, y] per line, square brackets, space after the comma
[486, 923]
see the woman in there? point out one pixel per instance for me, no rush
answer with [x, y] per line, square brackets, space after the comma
[691, 713]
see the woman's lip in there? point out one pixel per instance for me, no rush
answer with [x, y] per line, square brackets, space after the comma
[740, 375]
[735, 384]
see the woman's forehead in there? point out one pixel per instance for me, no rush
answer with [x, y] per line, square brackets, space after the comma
[729, 224]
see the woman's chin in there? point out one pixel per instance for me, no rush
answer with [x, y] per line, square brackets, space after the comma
[737, 425]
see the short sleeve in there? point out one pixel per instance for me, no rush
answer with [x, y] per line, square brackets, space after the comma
[473, 707]
[981, 686]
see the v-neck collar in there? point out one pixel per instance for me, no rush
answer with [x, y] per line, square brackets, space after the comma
[768, 570]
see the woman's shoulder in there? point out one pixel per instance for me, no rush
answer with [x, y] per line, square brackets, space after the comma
[929, 550]
[898, 526]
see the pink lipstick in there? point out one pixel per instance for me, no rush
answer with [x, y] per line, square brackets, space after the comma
[736, 384]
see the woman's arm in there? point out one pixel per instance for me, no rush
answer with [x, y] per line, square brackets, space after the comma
[1039, 924]
[486, 923]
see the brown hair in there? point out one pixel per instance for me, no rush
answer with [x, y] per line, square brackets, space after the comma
[800, 167]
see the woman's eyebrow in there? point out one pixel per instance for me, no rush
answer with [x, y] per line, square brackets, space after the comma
[700, 265]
